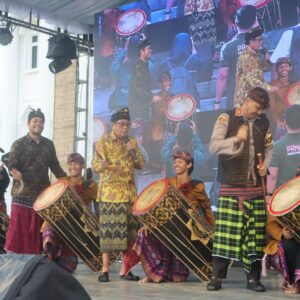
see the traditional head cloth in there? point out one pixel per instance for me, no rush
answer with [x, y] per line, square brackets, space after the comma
[36, 114]
[252, 34]
[186, 156]
[282, 60]
[143, 44]
[260, 96]
[75, 157]
[122, 114]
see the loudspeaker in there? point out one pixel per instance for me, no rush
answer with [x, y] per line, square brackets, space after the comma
[34, 277]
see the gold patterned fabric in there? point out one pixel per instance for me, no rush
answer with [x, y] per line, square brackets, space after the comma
[117, 182]
[116, 232]
[249, 74]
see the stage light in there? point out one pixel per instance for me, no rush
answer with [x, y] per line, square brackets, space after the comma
[5, 35]
[62, 50]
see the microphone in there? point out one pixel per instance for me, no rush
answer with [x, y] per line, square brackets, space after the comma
[131, 151]
[1, 150]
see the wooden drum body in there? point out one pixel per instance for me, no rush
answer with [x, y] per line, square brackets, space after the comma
[167, 214]
[62, 208]
[285, 205]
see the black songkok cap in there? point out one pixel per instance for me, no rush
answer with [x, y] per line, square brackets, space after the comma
[122, 114]
[36, 114]
[252, 34]
[143, 44]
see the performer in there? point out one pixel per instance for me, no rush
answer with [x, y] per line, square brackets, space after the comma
[53, 246]
[30, 159]
[250, 67]
[283, 254]
[286, 154]
[116, 157]
[283, 68]
[238, 136]
[158, 262]
[140, 94]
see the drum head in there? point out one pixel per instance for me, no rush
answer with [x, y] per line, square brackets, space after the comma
[150, 196]
[256, 3]
[286, 198]
[292, 95]
[180, 107]
[99, 129]
[130, 22]
[50, 195]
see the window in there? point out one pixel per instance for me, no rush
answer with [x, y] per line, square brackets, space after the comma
[32, 52]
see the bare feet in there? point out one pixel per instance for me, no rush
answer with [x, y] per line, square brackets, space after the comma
[145, 280]
[284, 285]
[292, 289]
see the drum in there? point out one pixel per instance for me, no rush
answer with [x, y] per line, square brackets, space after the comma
[4, 221]
[268, 12]
[167, 214]
[180, 108]
[285, 205]
[292, 95]
[131, 22]
[71, 219]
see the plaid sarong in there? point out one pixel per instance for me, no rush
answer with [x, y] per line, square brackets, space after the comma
[118, 226]
[240, 235]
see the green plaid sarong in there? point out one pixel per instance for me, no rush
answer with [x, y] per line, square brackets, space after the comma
[240, 236]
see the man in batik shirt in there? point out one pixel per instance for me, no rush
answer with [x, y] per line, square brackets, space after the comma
[116, 157]
[30, 159]
[250, 67]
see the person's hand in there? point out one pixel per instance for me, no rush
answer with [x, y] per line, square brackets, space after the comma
[287, 234]
[16, 174]
[193, 127]
[131, 146]
[274, 89]
[177, 128]
[156, 99]
[104, 164]
[143, 231]
[242, 133]
[262, 170]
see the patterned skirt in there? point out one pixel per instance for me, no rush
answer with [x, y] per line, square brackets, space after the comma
[286, 260]
[118, 226]
[158, 263]
[240, 233]
[59, 251]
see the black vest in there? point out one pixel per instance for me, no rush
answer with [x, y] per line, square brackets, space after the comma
[234, 171]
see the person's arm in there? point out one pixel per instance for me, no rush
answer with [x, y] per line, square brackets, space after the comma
[272, 179]
[204, 202]
[138, 159]
[166, 150]
[221, 83]
[283, 47]
[99, 162]
[54, 166]
[219, 144]
[273, 228]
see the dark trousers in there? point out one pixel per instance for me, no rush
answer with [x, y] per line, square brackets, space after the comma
[220, 268]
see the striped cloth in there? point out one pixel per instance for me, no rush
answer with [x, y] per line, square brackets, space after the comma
[240, 234]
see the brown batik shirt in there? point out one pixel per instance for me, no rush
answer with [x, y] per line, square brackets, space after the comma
[34, 160]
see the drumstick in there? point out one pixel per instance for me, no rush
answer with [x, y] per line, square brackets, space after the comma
[263, 185]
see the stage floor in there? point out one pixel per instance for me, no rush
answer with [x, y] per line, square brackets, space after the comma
[192, 289]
